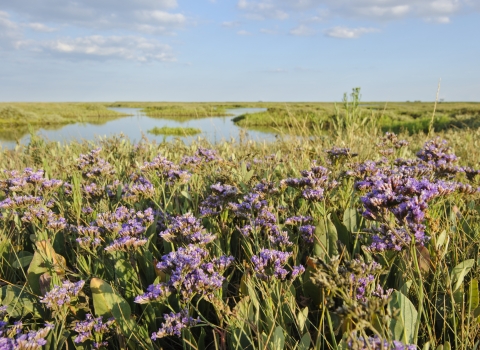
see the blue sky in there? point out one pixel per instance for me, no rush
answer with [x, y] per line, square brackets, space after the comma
[238, 50]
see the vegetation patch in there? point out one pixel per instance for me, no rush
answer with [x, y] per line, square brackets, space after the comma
[178, 131]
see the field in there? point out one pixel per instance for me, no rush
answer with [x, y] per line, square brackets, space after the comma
[178, 131]
[350, 239]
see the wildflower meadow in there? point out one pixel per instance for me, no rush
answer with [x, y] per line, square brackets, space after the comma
[349, 241]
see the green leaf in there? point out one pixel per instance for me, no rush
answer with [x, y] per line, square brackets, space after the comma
[302, 318]
[19, 303]
[460, 271]
[109, 303]
[305, 342]
[350, 219]
[278, 339]
[473, 298]
[403, 326]
[344, 234]
[326, 238]
[22, 259]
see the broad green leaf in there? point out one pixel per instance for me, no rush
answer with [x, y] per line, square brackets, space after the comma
[19, 303]
[109, 303]
[403, 326]
[302, 318]
[460, 271]
[344, 235]
[350, 219]
[45, 260]
[22, 259]
[305, 342]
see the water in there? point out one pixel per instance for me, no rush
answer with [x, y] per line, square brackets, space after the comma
[136, 125]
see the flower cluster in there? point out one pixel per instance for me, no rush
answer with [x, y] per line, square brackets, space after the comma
[174, 323]
[202, 155]
[166, 170]
[437, 154]
[389, 143]
[218, 199]
[186, 229]
[22, 341]
[338, 154]
[29, 181]
[39, 215]
[404, 197]
[93, 166]
[86, 329]
[376, 343]
[62, 295]
[270, 264]
[128, 224]
[314, 182]
[190, 274]
[138, 189]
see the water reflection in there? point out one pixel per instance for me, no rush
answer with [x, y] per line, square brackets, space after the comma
[136, 125]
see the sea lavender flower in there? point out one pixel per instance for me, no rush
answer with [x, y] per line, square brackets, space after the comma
[93, 166]
[174, 323]
[92, 190]
[86, 329]
[298, 220]
[216, 202]
[126, 244]
[140, 188]
[190, 273]
[166, 170]
[307, 233]
[313, 182]
[437, 153]
[186, 229]
[20, 202]
[252, 203]
[270, 264]
[62, 295]
[338, 154]
[30, 341]
[155, 292]
[376, 343]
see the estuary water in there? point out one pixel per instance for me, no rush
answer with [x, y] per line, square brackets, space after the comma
[136, 125]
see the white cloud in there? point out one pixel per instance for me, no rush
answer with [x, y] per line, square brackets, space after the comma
[263, 9]
[302, 30]
[40, 27]
[106, 14]
[268, 31]
[230, 24]
[243, 32]
[133, 48]
[382, 10]
[348, 33]
[10, 32]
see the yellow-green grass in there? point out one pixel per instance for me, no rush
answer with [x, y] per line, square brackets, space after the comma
[177, 131]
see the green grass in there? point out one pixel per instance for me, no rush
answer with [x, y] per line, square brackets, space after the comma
[178, 131]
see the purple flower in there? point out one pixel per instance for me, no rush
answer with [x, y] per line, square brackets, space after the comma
[86, 329]
[62, 295]
[174, 324]
[270, 264]
[186, 229]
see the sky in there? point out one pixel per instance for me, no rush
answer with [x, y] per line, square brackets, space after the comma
[239, 50]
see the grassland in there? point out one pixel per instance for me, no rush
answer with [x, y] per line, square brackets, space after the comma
[16, 119]
[406, 116]
[178, 131]
[175, 246]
